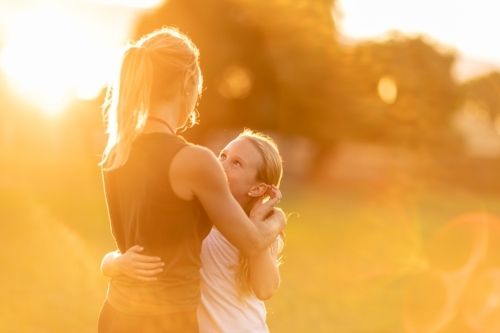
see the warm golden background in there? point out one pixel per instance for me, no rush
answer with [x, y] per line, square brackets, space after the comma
[390, 140]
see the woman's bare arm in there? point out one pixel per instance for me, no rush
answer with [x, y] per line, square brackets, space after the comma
[264, 272]
[195, 172]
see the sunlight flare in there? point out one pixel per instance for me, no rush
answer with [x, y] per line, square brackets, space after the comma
[132, 3]
[54, 62]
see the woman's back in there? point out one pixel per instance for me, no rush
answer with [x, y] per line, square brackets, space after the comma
[144, 210]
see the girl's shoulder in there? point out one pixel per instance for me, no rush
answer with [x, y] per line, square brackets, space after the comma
[215, 244]
[216, 236]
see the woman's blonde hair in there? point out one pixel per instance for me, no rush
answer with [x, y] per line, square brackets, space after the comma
[157, 68]
[269, 173]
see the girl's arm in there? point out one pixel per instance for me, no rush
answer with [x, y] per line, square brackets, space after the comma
[264, 272]
[195, 172]
[132, 264]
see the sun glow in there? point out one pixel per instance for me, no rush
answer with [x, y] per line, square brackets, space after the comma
[469, 26]
[50, 59]
[133, 3]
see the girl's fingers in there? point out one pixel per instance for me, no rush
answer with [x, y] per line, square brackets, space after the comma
[147, 259]
[277, 192]
[273, 199]
[136, 248]
[262, 209]
[148, 273]
[282, 234]
[274, 192]
[149, 266]
[279, 214]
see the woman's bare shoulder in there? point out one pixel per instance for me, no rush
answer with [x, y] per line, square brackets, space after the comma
[194, 168]
[193, 157]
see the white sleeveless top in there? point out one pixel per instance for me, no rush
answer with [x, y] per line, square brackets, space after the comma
[221, 309]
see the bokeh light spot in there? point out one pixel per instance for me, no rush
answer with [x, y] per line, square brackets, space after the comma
[482, 302]
[236, 82]
[427, 305]
[387, 89]
[470, 231]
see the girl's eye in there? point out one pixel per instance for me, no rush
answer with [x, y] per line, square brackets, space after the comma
[237, 163]
[222, 157]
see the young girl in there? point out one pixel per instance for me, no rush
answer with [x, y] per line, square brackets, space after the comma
[233, 286]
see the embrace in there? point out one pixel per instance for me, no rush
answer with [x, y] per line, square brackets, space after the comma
[198, 236]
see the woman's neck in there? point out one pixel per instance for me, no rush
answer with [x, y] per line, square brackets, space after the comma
[168, 112]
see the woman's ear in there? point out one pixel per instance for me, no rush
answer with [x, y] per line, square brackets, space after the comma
[258, 190]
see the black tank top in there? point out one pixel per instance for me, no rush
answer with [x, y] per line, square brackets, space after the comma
[144, 210]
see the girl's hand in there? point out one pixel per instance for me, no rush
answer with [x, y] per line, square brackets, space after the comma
[261, 209]
[138, 266]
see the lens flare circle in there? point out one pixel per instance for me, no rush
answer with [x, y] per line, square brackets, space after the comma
[482, 302]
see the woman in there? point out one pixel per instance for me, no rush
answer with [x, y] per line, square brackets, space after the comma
[164, 193]
[233, 286]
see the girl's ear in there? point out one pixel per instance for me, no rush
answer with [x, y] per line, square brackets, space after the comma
[258, 190]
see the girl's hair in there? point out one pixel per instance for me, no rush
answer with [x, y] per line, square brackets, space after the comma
[269, 173]
[159, 67]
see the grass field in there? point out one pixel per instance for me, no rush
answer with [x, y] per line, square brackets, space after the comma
[348, 256]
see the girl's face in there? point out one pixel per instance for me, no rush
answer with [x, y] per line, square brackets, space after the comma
[241, 161]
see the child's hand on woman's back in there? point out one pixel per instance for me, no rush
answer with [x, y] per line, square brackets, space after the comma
[133, 264]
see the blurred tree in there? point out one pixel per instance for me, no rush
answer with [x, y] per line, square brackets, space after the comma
[277, 65]
[266, 64]
[302, 38]
[239, 80]
[402, 92]
[485, 93]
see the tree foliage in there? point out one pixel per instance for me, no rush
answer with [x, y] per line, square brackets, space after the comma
[287, 46]
[485, 91]
[303, 81]
[427, 95]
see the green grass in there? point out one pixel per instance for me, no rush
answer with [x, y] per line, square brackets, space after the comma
[350, 252]
[348, 255]
[50, 280]
[54, 233]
